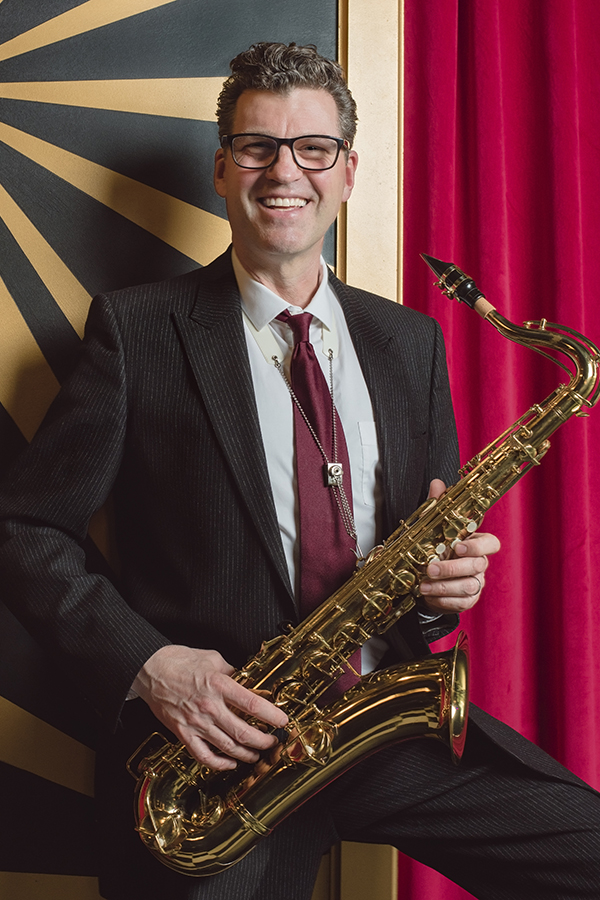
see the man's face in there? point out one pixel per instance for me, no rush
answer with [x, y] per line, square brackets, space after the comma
[262, 231]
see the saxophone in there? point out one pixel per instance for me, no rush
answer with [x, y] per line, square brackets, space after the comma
[198, 821]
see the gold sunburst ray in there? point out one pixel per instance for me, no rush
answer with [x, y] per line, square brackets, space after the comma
[27, 383]
[65, 761]
[78, 20]
[68, 292]
[182, 98]
[37, 886]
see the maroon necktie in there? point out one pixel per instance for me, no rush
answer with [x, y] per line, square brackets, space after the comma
[327, 551]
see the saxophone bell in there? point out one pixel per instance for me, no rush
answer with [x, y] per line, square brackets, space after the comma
[199, 823]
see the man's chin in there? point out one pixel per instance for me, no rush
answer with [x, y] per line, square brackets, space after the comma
[275, 243]
[292, 252]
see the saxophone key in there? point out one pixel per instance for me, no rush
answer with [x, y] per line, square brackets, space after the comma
[310, 744]
[402, 582]
[320, 664]
[420, 556]
[348, 639]
[377, 605]
[291, 693]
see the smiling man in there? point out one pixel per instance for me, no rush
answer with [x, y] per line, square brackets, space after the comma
[279, 212]
[260, 425]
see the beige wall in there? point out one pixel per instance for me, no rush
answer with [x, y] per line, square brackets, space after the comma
[371, 51]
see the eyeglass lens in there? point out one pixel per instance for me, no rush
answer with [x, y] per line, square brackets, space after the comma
[255, 151]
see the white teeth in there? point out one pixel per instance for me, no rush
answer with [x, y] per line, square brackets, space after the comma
[284, 201]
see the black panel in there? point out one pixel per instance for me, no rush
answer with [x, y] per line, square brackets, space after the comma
[17, 17]
[45, 827]
[29, 678]
[11, 440]
[50, 327]
[172, 155]
[102, 249]
[182, 39]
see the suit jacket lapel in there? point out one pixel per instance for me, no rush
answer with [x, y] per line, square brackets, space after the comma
[214, 340]
[383, 372]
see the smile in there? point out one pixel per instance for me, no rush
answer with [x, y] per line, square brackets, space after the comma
[285, 202]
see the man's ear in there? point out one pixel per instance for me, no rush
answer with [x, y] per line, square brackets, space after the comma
[219, 172]
[350, 172]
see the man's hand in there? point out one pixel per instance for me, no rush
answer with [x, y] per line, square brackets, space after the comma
[191, 691]
[455, 584]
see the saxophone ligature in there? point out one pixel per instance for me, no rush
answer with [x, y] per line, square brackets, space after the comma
[199, 822]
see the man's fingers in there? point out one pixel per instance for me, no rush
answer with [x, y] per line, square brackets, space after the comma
[451, 604]
[206, 753]
[479, 586]
[191, 691]
[459, 588]
[436, 488]
[238, 732]
[449, 569]
[470, 557]
[213, 729]
[455, 584]
[254, 705]
[215, 721]
[478, 544]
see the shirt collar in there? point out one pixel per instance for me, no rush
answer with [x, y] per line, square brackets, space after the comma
[262, 305]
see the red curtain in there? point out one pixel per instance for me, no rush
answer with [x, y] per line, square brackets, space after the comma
[502, 177]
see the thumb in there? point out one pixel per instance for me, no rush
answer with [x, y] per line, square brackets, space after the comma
[436, 488]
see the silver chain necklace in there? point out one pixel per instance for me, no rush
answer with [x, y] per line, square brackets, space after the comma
[333, 472]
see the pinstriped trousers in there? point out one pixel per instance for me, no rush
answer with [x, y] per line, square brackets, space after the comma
[499, 828]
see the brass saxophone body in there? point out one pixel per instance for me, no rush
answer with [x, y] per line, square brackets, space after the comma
[198, 821]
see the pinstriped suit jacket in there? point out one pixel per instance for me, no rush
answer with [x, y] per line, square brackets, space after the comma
[161, 411]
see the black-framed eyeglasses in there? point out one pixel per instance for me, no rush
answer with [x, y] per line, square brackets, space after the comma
[315, 152]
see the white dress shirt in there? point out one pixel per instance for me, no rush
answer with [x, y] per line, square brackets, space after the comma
[267, 337]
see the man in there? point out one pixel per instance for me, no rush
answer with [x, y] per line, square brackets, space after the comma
[178, 407]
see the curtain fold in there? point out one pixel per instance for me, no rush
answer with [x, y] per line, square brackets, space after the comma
[501, 177]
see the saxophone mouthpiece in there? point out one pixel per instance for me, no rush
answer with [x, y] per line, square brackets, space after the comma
[436, 265]
[453, 282]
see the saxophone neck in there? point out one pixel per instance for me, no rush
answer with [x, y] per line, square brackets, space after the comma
[550, 340]
[557, 343]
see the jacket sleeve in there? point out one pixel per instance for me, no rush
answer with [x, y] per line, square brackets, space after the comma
[442, 462]
[439, 459]
[46, 502]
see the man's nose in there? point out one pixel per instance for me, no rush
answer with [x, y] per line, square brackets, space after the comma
[284, 167]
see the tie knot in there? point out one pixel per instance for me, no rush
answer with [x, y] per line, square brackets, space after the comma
[299, 324]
